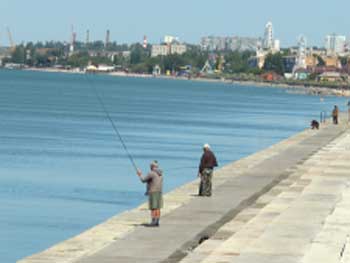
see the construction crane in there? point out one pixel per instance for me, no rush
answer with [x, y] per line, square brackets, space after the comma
[12, 44]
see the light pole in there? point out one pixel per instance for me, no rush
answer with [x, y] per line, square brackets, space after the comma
[349, 111]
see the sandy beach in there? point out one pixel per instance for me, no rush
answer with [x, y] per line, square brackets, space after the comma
[295, 89]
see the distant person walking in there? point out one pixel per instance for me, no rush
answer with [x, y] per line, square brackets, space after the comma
[206, 167]
[349, 110]
[154, 181]
[335, 114]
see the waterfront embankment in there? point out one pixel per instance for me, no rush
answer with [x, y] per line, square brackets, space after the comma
[278, 205]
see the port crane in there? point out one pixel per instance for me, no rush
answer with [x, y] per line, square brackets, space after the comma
[12, 44]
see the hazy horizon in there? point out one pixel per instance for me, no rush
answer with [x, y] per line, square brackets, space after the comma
[129, 21]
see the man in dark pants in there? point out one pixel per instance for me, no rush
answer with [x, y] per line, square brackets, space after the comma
[154, 181]
[206, 167]
[335, 114]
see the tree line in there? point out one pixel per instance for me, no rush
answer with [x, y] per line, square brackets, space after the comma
[135, 58]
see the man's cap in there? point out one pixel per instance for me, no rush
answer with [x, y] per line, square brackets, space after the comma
[206, 146]
[154, 163]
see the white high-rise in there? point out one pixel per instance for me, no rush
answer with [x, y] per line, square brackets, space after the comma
[268, 36]
[335, 44]
[302, 54]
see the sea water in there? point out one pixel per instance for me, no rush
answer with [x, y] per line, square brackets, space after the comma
[63, 168]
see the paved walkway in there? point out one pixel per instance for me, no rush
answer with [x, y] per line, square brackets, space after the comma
[182, 229]
[305, 218]
[273, 206]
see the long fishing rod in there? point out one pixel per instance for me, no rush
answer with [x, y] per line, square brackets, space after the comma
[114, 126]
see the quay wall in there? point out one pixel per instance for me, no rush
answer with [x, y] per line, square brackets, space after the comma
[121, 225]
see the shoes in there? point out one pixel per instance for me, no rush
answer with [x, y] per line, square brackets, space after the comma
[151, 225]
[154, 223]
[205, 195]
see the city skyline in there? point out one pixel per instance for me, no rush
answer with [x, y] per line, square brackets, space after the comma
[129, 21]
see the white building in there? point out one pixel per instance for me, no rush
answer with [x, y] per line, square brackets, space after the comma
[160, 50]
[269, 42]
[178, 49]
[170, 39]
[335, 44]
[300, 62]
[277, 45]
[268, 36]
[167, 49]
[232, 43]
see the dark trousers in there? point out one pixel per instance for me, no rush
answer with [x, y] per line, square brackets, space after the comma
[335, 119]
[205, 184]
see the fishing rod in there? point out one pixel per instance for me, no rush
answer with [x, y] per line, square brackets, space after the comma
[114, 126]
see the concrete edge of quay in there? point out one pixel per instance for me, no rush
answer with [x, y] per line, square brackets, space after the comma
[118, 227]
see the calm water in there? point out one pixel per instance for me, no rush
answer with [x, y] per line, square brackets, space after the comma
[62, 169]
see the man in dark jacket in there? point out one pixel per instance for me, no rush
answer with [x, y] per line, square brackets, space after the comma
[154, 181]
[335, 114]
[206, 167]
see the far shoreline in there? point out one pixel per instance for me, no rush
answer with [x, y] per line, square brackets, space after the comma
[295, 88]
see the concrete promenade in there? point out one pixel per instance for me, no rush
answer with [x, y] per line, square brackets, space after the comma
[288, 203]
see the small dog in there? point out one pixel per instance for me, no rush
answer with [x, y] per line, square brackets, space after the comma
[315, 124]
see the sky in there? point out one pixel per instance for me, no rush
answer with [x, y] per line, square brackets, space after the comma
[128, 21]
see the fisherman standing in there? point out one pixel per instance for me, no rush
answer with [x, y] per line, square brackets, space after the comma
[154, 181]
[206, 167]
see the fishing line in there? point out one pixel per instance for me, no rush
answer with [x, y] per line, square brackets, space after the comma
[114, 126]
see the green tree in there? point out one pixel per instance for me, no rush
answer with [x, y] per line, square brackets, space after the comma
[19, 55]
[237, 62]
[274, 62]
[79, 59]
[138, 54]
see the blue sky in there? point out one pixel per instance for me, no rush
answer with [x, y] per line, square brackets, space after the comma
[129, 20]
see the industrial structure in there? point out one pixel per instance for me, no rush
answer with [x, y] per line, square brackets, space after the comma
[73, 40]
[145, 42]
[12, 43]
[108, 36]
[87, 40]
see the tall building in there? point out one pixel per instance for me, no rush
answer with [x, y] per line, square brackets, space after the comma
[170, 39]
[335, 44]
[171, 45]
[277, 45]
[301, 57]
[214, 43]
[165, 49]
[268, 36]
[160, 50]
